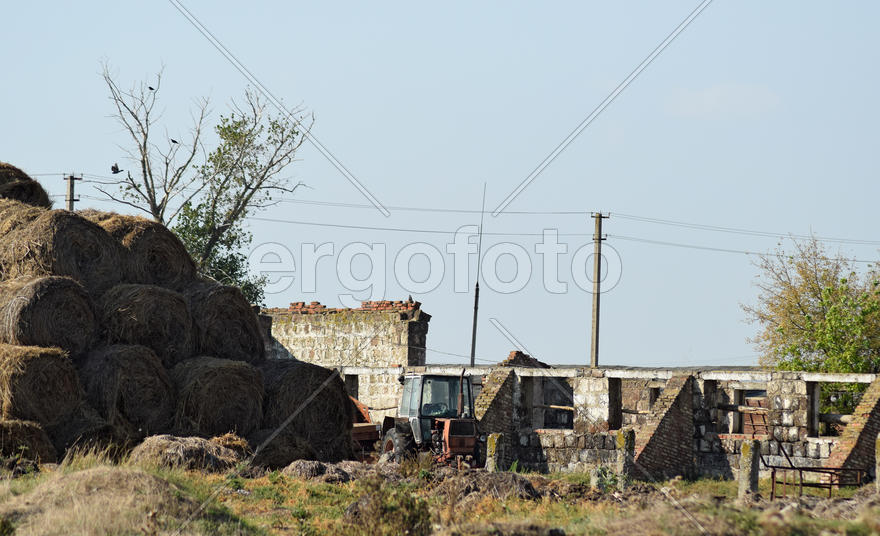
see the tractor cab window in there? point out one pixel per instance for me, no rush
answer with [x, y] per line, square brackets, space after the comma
[440, 397]
[409, 402]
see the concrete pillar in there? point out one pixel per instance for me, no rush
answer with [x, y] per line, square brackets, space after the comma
[626, 452]
[749, 464]
[495, 453]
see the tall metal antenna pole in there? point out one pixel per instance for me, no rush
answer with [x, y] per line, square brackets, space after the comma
[477, 284]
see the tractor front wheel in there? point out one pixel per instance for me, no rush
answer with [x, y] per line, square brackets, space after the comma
[398, 444]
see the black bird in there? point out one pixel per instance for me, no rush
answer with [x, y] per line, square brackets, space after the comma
[150, 88]
[173, 140]
[115, 169]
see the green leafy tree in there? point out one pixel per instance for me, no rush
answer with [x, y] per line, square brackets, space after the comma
[227, 262]
[817, 313]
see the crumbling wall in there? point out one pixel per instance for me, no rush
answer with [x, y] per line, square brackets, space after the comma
[856, 447]
[568, 450]
[494, 410]
[664, 445]
[379, 334]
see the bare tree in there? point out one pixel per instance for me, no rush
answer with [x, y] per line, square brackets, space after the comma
[165, 179]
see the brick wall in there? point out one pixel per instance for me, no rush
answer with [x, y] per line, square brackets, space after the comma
[856, 448]
[378, 334]
[664, 445]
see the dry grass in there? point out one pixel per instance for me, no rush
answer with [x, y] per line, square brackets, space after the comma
[190, 453]
[46, 311]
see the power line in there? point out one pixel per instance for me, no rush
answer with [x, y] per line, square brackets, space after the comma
[710, 248]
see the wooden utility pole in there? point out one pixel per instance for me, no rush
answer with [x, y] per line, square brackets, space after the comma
[71, 189]
[597, 273]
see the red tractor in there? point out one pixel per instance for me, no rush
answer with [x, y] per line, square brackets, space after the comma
[436, 414]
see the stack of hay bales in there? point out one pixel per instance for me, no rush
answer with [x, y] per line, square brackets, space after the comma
[108, 336]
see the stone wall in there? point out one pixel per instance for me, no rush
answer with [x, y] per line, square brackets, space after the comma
[664, 445]
[567, 450]
[379, 334]
[856, 448]
[494, 409]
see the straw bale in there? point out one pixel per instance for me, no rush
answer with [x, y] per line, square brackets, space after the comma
[62, 243]
[318, 399]
[26, 439]
[84, 429]
[26, 191]
[151, 316]
[279, 451]
[129, 388]
[216, 396]
[37, 384]
[226, 324]
[155, 255]
[46, 311]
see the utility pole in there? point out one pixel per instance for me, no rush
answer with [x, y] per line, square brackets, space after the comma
[597, 272]
[71, 189]
[477, 284]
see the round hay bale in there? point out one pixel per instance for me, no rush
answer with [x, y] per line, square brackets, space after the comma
[26, 439]
[155, 255]
[15, 214]
[279, 451]
[129, 388]
[216, 396]
[37, 384]
[318, 397]
[191, 453]
[46, 311]
[151, 316]
[10, 173]
[84, 429]
[226, 324]
[27, 191]
[61, 243]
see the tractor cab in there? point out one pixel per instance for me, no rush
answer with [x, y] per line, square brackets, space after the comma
[436, 413]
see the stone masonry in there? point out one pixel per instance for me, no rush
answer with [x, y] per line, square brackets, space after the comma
[664, 446]
[856, 448]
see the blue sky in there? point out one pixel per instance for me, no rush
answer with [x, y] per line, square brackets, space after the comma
[758, 116]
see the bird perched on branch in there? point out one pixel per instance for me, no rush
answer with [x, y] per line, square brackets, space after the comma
[115, 169]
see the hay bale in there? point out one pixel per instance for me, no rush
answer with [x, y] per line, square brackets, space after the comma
[15, 214]
[37, 384]
[324, 413]
[10, 173]
[46, 311]
[279, 451]
[61, 243]
[191, 453]
[30, 192]
[216, 396]
[18, 185]
[226, 324]
[26, 439]
[129, 388]
[151, 316]
[84, 429]
[155, 255]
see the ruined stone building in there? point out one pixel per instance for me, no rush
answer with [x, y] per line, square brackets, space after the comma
[686, 421]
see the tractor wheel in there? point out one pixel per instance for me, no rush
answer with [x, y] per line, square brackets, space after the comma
[398, 444]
